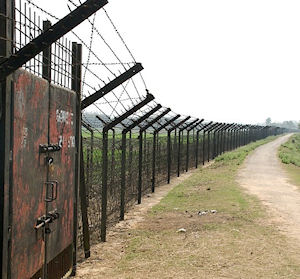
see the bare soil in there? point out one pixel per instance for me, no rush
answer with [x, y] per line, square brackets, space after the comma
[264, 176]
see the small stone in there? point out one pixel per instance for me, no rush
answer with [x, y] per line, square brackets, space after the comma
[213, 211]
[202, 212]
[182, 230]
[208, 189]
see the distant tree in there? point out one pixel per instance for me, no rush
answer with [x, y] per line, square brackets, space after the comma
[289, 124]
[268, 121]
[299, 125]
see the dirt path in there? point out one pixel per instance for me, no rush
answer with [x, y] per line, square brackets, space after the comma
[263, 176]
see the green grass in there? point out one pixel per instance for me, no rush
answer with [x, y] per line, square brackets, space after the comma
[237, 242]
[289, 152]
[224, 170]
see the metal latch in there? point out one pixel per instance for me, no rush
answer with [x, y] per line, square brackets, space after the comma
[46, 219]
[51, 191]
[49, 148]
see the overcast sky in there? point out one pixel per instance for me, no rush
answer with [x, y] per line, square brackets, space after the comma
[223, 60]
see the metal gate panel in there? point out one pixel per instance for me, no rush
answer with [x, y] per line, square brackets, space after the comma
[45, 116]
[29, 172]
[62, 131]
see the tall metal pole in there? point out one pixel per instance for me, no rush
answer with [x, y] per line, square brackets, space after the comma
[104, 184]
[140, 167]
[203, 149]
[123, 177]
[197, 149]
[169, 156]
[6, 133]
[76, 84]
[154, 162]
[179, 153]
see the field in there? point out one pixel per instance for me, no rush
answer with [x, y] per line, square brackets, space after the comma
[206, 227]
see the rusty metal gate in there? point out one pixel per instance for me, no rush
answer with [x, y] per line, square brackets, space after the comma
[43, 178]
[39, 145]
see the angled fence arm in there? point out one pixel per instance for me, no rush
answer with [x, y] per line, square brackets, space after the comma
[175, 126]
[48, 37]
[141, 119]
[195, 125]
[111, 85]
[164, 126]
[118, 120]
[156, 119]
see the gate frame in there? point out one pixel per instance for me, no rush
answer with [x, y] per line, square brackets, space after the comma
[6, 48]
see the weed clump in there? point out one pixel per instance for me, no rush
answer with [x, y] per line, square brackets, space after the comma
[289, 152]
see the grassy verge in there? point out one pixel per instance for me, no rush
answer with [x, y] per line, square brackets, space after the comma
[234, 242]
[289, 153]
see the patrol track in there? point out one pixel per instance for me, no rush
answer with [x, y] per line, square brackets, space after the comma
[263, 176]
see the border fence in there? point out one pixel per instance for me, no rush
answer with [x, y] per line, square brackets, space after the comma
[121, 144]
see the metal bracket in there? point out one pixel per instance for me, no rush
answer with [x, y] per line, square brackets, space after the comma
[51, 194]
[49, 148]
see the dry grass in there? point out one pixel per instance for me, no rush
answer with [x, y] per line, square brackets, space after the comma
[235, 242]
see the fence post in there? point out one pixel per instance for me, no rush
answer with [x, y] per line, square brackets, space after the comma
[84, 208]
[197, 149]
[112, 163]
[214, 145]
[123, 176]
[130, 161]
[203, 148]
[140, 167]
[179, 153]
[190, 127]
[6, 48]
[76, 86]
[169, 156]
[208, 146]
[154, 162]
[104, 184]
[187, 150]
